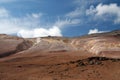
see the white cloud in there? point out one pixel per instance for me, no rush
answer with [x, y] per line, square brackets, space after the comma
[100, 10]
[61, 23]
[37, 15]
[40, 32]
[75, 21]
[25, 33]
[110, 9]
[93, 31]
[30, 25]
[3, 13]
[66, 22]
[91, 11]
[7, 25]
[10, 24]
[76, 13]
[80, 2]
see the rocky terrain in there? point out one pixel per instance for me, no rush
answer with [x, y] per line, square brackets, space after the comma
[89, 57]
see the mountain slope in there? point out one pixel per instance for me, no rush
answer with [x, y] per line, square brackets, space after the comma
[90, 57]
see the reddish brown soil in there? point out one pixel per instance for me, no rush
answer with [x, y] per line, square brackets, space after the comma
[55, 60]
[60, 66]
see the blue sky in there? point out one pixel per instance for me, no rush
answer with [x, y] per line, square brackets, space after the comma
[38, 18]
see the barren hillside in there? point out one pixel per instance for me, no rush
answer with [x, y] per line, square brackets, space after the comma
[90, 57]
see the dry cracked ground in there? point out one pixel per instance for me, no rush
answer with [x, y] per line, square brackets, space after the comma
[90, 57]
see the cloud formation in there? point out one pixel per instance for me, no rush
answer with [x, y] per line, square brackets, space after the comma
[93, 31]
[7, 25]
[76, 13]
[10, 24]
[66, 22]
[101, 10]
[82, 14]
[3, 13]
[27, 26]
[40, 32]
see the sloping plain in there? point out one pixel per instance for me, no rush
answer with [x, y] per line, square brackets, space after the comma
[90, 57]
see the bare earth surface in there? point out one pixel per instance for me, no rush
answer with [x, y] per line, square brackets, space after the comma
[91, 57]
